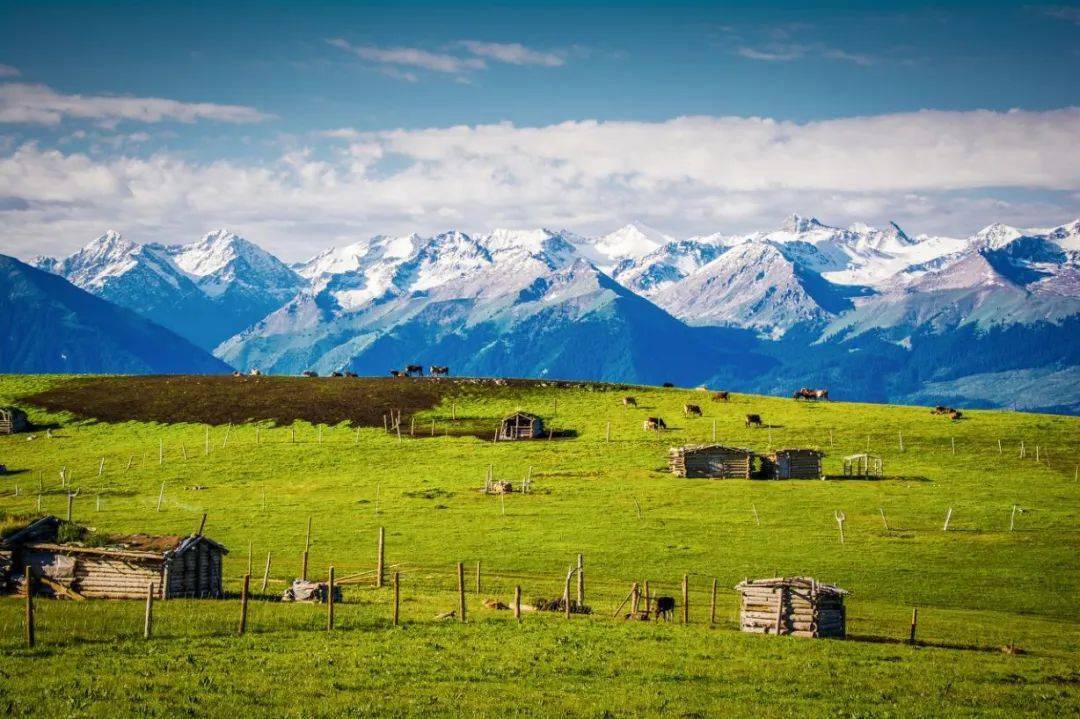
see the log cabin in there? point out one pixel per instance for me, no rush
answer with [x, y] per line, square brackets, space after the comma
[796, 606]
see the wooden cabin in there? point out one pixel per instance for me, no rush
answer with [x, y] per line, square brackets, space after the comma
[863, 465]
[797, 606]
[521, 425]
[12, 420]
[792, 464]
[116, 567]
[714, 461]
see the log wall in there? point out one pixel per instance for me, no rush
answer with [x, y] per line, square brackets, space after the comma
[710, 462]
[788, 611]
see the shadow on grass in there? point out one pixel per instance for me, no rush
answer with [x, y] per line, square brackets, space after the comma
[920, 643]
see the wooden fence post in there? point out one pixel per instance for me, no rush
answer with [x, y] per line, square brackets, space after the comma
[581, 580]
[266, 572]
[148, 618]
[478, 577]
[566, 592]
[648, 598]
[244, 605]
[948, 518]
[686, 599]
[303, 565]
[161, 496]
[380, 559]
[28, 584]
[397, 597]
[914, 624]
[712, 604]
[70, 503]
[461, 590]
[517, 602]
[885, 521]
[330, 600]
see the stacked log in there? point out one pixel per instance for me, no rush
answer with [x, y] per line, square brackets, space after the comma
[711, 461]
[795, 606]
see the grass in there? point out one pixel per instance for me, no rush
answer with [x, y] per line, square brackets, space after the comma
[979, 586]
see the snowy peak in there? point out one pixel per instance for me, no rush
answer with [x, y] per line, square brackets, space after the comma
[633, 240]
[222, 261]
[796, 224]
[995, 236]
[670, 263]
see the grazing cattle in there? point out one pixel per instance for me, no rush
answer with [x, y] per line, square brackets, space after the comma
[336, 374]
[255, 372]
[721, 396]
[691, 409]
[396, 373]
[955, 414]
[414, 369]
[310, 373]
[654, 423]
[940, 409]
[668, 384]
[629, 402]
[754, 419]
[350, 374]
[808, 394]
[665, 608]
[437, 371]
[236, 373]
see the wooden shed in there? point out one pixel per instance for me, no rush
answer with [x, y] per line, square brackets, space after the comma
[117, 567]
[792, 464]
[710, 460]
[12, 420]
[798, 606]
[520, 425]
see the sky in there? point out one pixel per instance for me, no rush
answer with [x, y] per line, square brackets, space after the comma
[305, 125]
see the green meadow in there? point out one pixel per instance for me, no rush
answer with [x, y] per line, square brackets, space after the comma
[1005, 573]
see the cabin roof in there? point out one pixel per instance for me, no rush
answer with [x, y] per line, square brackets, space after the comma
[42, 533]
[526, 415]
[692, 448]
[792, 582]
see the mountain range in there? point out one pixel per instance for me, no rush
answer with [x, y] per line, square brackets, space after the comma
[875, 314]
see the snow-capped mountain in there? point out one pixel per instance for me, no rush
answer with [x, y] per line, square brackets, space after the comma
[49, 325]
[206, 291]
[876, 309]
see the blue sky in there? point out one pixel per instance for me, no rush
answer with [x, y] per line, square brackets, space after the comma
[302, 125]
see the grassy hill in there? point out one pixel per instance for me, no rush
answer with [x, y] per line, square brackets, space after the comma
[978, 586]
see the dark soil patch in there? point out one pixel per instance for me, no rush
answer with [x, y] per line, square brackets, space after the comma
[221, 400]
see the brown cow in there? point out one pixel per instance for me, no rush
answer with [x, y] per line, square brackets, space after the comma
[629, 402]
[955, 414]
[808, 394]
[721, 396]
[655, 423]
[396, 373]
[754, 419]
[940, 409]
[691, 409]
[350, 374]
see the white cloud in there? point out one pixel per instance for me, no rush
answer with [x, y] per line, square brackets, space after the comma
[1062, 12]
[9, 71]
[689, 175]
[410, 57]
[785, 52]
[513, 53]
[40, 104]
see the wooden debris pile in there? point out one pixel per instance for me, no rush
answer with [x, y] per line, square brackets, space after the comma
[311, 592]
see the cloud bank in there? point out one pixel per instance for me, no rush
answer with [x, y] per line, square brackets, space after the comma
[941, 171]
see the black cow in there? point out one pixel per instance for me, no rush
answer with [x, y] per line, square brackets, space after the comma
[396, 373]
[668, 384]
[437, 371]
[665, 608]
[629, 402]
[754, 419]
[310, 373]
[691, 409]
[414, 369]
[656, 423]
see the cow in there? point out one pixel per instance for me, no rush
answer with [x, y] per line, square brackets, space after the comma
[721, 396]
[414, 369]
[655, 423]
[754, 419]
[350, 374]
[691, 409]
[665, 608]
[396, 373]
[255, 372]
[236, 373]
[940, 409]
[310, 373]
[437, 371]
[336, 374]
[955, 414]
[629, 402]
[668, 385]
[808, 394]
